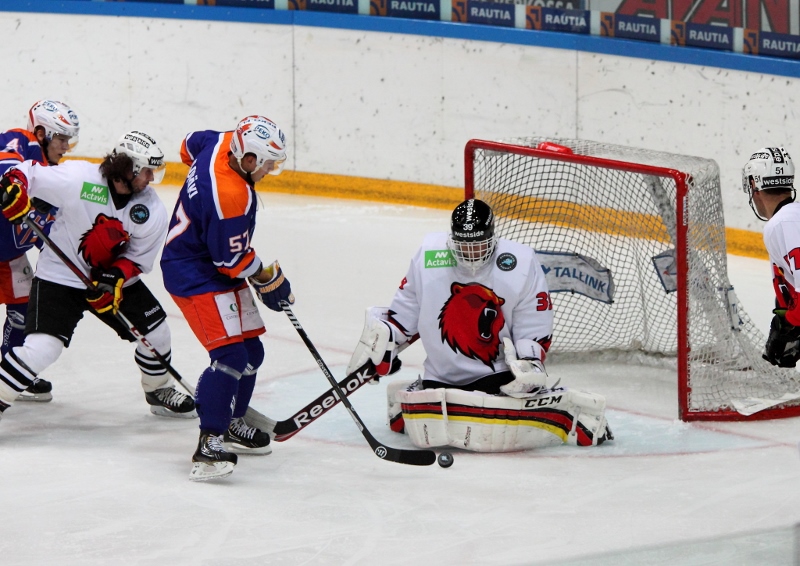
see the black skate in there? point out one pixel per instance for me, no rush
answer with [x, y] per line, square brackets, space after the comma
[210, 461]
[3, 407]
[39, 391]
[169, 402]
[244, 439]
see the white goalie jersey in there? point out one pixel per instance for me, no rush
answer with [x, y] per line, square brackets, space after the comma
[462, 317]
[83, 199]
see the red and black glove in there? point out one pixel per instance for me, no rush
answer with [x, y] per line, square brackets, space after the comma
[107, 294]
[14, 201]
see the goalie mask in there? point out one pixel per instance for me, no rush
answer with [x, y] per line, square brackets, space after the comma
[144, 152]
[264, 139]
[768, 168]
[56, 118]
[472, 241]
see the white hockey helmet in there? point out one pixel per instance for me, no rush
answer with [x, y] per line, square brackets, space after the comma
[767, 168]
[263, 138]
[144, 152]
[56, 118]
[770, 168]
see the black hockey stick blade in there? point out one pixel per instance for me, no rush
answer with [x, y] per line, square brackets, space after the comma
[410, 457]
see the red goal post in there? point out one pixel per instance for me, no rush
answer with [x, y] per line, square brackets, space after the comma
[633, 245]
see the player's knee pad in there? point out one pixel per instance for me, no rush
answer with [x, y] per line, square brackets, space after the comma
[255, 353]
[159, 338]
[39, 351]
[230, 359]
[490, 423]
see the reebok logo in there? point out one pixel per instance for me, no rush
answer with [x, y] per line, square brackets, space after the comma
[439, 258]
[94, 193]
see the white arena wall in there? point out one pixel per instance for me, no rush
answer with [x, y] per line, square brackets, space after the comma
[388, 106]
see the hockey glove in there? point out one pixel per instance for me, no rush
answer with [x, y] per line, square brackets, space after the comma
[529, 374]
[275, 290]
[107, 294]
[783, 343]
[14, 201]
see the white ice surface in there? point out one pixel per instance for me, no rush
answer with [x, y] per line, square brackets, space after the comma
[92, 478]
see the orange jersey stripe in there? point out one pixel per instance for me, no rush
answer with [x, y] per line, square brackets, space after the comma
[233, 196]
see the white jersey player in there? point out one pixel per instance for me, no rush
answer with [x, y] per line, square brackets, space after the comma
[481, 308]
[110, 226]
[768, 180]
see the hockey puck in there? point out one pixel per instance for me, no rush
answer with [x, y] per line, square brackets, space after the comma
[445, 459]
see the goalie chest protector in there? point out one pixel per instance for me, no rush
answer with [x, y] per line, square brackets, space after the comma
[463, 317]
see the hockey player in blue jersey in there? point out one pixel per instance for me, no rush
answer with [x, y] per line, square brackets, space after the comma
[52, 131]
[206, 264]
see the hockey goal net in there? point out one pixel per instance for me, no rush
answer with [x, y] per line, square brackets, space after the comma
[633, 245]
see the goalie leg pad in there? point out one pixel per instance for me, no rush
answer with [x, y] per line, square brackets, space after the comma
[480, 422]
[425, 415]
[394, 407]
[589, 425]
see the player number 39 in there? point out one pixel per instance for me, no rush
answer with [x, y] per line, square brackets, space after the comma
[543, 302]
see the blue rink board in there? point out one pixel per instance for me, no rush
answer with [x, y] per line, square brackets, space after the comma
[587, 43]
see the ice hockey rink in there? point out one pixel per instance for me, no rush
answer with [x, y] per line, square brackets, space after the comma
[93, 478]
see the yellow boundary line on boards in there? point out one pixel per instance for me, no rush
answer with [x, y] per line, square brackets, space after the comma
[739, 242]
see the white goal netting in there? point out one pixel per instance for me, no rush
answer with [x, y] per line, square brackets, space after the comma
[606, 229]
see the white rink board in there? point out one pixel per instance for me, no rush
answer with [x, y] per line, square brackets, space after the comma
[384, 105]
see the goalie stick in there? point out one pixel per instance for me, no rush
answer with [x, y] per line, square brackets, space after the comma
[411, 457]
[138, 336]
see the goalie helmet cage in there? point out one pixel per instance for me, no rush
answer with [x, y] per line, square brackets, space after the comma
[672, 301]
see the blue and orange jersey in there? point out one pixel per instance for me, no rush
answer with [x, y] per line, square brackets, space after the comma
[208, 244]
[19, 145]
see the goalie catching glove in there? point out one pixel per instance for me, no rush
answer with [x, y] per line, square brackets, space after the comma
[14, 201]
[275, 289]
[529, 374]
[783, 343]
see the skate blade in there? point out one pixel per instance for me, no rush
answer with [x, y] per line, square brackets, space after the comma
[204, 471]
[164, 412]
[35, 397]
[239, 449]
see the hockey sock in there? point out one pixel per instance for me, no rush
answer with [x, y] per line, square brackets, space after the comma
[218, 386]
[246, 385]
[154, 374]
[255, 357]
[14, 327]
[15, 377]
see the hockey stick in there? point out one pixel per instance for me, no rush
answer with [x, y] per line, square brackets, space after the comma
[412, 457]
[138, 336]
[287, 428]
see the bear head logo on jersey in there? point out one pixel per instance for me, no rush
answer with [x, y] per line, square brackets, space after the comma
[104, 242]
[471, 321]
